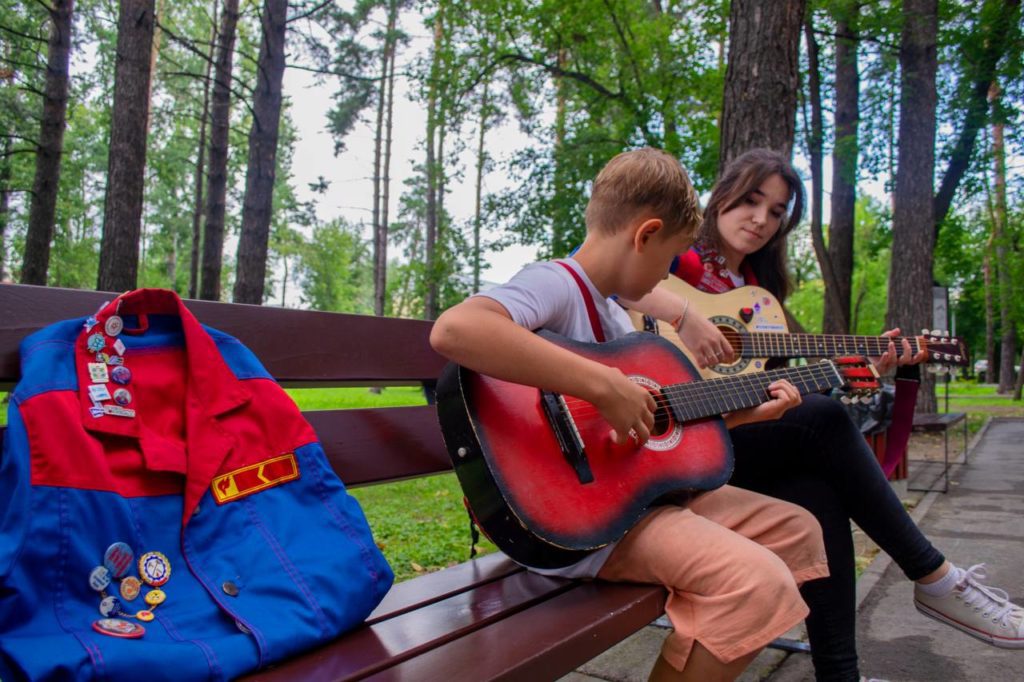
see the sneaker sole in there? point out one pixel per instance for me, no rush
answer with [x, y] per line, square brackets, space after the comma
[1001, 642]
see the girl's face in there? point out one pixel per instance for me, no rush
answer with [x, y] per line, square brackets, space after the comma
[743, 230]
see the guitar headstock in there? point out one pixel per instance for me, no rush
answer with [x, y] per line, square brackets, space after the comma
[861, 378]
[943, 348]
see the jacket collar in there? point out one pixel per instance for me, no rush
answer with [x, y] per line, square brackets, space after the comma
[212, 391]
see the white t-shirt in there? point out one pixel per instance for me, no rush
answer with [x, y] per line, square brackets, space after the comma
[545, 296]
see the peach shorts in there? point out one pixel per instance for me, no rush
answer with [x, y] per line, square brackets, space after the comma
[732, 562]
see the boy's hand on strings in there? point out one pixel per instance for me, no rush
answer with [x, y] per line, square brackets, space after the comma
[628, 407]
[705, 341]
[889, 359]
[784, 396]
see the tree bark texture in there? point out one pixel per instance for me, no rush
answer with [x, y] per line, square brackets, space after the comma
[481, 163]
[5, 203]
[761, 79]
[814, 148]
[43, 206]
[844, 171]
[1000, 236]
[910, 275]
[200, 175]
[994, 35]
[217, 174]
[386, 190]
[431, 303]
[380, 235]
[122, 218]
[990, 316]
[257, 207]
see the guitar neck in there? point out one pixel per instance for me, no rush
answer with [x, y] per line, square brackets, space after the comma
[767, 344]
[700, 399]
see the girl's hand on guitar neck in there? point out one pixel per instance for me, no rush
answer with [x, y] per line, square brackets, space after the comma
[784, 395]
[890, 359]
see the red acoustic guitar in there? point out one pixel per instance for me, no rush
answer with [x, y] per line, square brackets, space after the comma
[541, 474]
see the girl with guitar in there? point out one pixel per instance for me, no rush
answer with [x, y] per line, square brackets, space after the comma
[814, 455]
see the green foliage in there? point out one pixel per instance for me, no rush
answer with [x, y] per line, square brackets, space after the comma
[335, 270]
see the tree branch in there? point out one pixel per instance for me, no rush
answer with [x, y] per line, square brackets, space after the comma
[559, 72]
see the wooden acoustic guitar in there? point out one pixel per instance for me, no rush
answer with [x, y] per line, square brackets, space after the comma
[541, 474]
[754, 323]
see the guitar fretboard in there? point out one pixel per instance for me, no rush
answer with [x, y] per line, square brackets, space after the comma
[773, 345]
[700, 399]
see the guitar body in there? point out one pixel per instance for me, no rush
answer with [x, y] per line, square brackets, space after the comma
[736, 313]
[521, 487]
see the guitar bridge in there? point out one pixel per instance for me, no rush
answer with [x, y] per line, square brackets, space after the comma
[569, 440]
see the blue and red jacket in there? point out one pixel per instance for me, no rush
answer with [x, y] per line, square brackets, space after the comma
[206, 460]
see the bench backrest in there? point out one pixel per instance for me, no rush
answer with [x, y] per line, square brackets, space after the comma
[300, 348]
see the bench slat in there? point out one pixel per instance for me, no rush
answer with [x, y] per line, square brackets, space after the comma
[550, 639]
[433, 587]
[381, 444]
[296, 346]
[368, 650]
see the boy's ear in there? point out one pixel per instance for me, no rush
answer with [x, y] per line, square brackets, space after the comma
[645, 232]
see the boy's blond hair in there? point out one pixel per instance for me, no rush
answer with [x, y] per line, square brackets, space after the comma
[643, 181]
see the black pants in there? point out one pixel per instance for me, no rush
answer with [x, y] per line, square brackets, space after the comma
[815, 457]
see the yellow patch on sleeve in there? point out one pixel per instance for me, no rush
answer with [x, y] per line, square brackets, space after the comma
[251, 479]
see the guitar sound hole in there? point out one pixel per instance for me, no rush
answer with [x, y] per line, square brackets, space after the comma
[662, 419]
[734, 338]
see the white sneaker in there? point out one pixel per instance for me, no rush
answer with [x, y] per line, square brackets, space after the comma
[980, 611]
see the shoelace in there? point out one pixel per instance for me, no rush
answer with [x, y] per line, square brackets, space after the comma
[991, 601]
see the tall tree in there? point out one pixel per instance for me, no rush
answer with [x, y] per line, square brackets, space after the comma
[217, 174]
[761, 79]
[996, 33]
[382, 158]
[200, 170]
[910, 278]
[43, 211]
[1000, 238]
[844, 169]
[262, 169]
[122, 218]
[433, 170]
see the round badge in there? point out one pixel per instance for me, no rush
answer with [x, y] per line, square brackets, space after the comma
[115, 627]
[130, 588]
[99, 578]
[156, 597]
[145, 616]
[118, 559]
[122, 396]
[120, 375]
[110, 606]
[113, 325]
[154, 568]
[96, 343]
[709, 267]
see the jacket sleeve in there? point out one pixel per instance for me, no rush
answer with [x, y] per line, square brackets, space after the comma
[15, 489]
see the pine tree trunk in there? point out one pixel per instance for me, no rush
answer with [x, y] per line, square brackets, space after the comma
[431, 300]
[1007, 326]
[481, 162]
[217, 176]
[844, 170]
[386, 191]
[259, 181]
[761, 80]
[5, 203]
[122, 218]
[197, 210]
[562, 218]
[910, 276]
[814, 147]
[990, 318]
[379, 230]
[43, 209]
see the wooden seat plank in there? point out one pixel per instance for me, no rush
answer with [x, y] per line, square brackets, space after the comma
[426, 589]
[372, 648]
[544, 642]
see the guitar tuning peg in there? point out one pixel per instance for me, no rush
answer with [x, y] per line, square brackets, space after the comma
[943, 369]
[958, 358]
[925, 332]
[936, 332]
[866, 398]
[933, 368]
[845, 400]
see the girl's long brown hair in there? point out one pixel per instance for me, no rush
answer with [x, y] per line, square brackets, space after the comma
[743, 175]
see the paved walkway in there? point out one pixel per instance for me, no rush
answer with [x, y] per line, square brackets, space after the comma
[981, 520]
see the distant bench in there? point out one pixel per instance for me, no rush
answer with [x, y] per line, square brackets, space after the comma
[941, 423]
[486, 618]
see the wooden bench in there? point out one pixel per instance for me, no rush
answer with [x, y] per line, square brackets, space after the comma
[941, 423]
[482, 619]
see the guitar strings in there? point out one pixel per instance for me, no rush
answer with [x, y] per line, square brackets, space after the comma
[727, 393]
